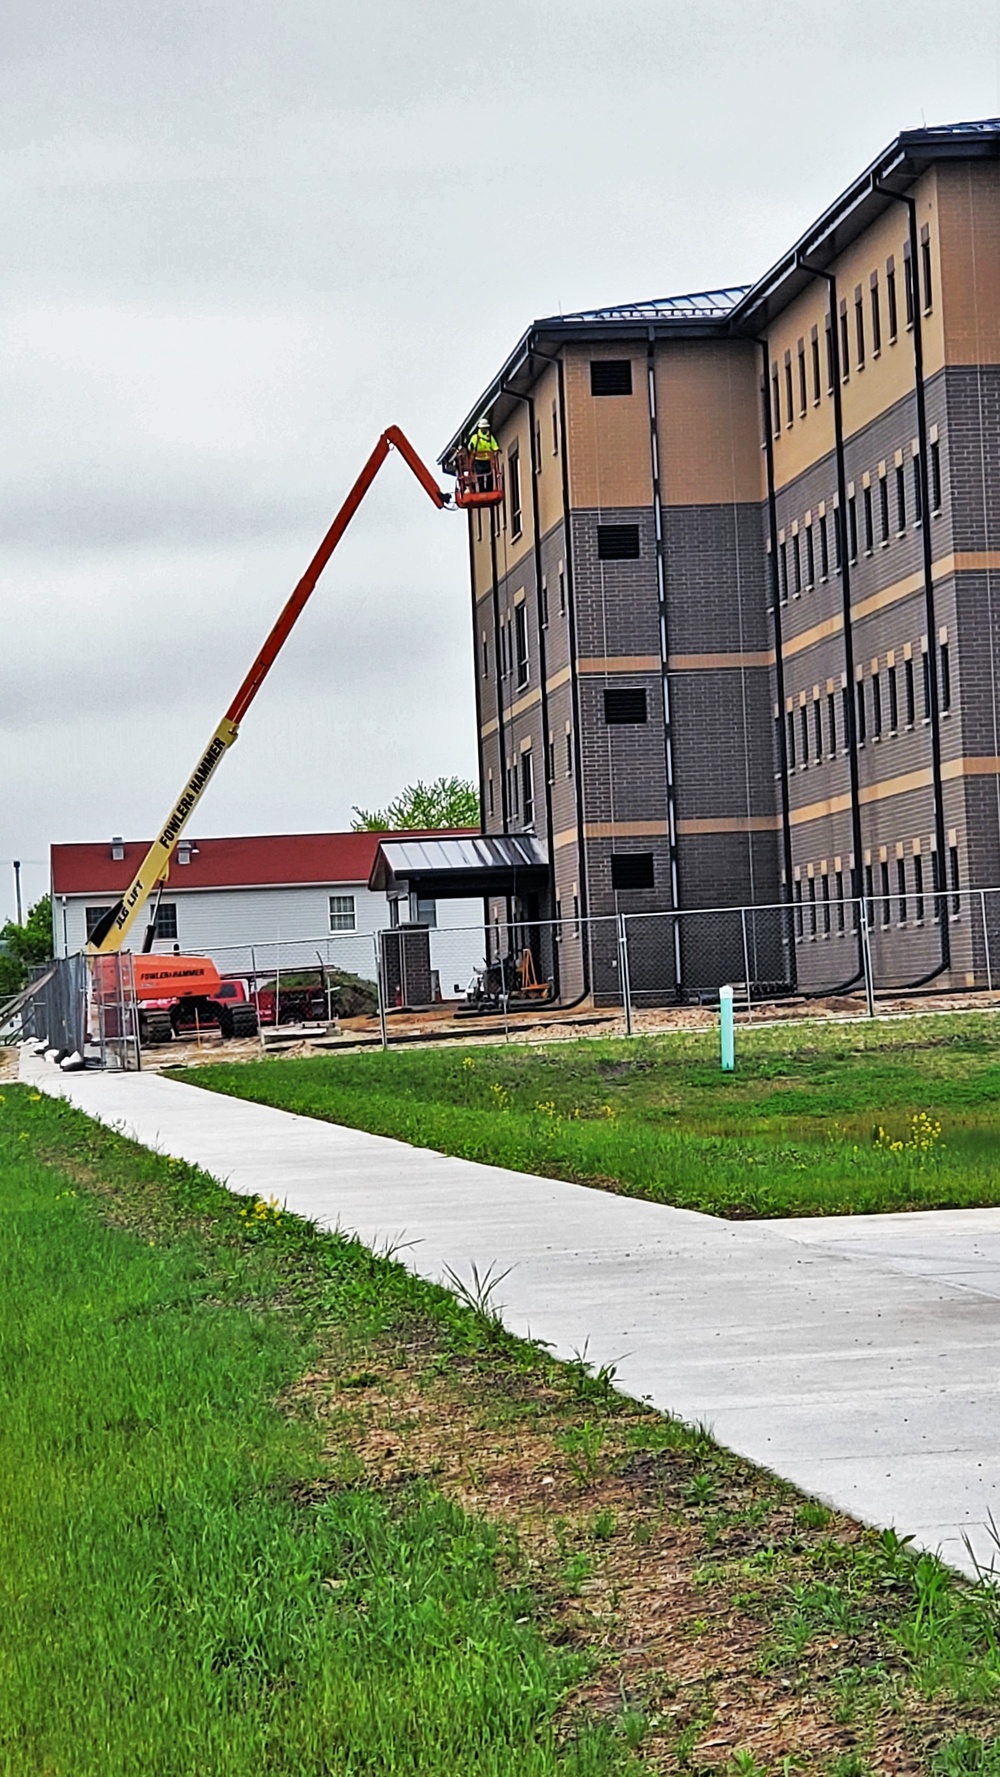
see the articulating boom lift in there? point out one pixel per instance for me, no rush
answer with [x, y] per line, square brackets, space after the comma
[112, 930]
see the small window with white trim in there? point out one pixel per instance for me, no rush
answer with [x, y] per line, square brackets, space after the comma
[342, 913]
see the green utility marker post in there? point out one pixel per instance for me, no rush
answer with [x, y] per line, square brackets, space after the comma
[727, 1031]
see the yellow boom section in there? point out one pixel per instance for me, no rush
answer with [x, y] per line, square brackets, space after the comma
[111, 932]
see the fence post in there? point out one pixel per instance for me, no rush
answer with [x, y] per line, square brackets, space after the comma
[986, 941]
[623, 974]
[376, 941]
[746, 959]
[866, 956]
[727, 1033]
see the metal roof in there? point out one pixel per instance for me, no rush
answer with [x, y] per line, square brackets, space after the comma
[469, 856]
[712, 304]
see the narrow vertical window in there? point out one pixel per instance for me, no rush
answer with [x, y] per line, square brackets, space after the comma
[803, 396]
[783, 571]
[830, 368]
[852, 527]
[818, 728]
[935, 476]
[956, 898]
[527, 788]
[883, 507]
[775, 401]
[893, 700]
[870, 894]
[796, 565]
[910, 700]
[521, 641]
[884, 885]
[810, 557]
[936, 884]
[826, 904]
[562, 590]
[838, 539]
[890, 296]
[514, 491]
[569, 752]
[789, 396]
[845, 699]
[489, 792]
[869, 521]
[925, 660]
[831, 721]
[486, 656]
[550, 760]
[862, 731]
[900, 499]
[925, 266]
[877, 705]
[777, 743]
[841, 909]
[812, 907]
[790, 739]
[817, 373]
[845, 344]
[804, 725]
[901, 888]
[918, 493]
[945, 676]
[543, 603]
[824, 548]
[798, 909]
[918, 887]
[908, 291]
[859, 326]
[876, 314]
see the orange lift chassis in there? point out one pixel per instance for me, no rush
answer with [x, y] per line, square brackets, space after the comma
[111, 932]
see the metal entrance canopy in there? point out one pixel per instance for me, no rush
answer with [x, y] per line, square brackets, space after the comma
[460, 867]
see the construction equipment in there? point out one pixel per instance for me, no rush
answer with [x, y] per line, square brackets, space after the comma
[113, 928]
[508, 984]
[479, 478]
[178, 995]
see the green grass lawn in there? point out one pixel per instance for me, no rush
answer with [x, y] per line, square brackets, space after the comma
[177, 1595]
[794, 1132]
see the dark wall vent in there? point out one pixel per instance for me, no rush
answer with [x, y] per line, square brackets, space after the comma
[632, 870]
[611, 376]
[625, 704]
[618, 542]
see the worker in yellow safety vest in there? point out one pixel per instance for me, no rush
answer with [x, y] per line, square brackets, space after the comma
[483, 449]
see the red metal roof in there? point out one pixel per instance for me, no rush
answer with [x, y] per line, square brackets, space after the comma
[264, 861]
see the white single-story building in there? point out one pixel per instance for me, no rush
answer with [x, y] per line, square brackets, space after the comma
[264, 902]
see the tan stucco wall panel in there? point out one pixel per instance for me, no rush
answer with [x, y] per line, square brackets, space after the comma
[707, 413]
[609, 451]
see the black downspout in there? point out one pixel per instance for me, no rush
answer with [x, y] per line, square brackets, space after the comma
[845, 590]
[661, 594]
[573, 677]
[476, 667]
[499, 667]
[542, 667]
[927, 563]
[779, 663]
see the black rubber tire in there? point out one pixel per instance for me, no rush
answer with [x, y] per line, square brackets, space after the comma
[155, 1027]
[243, 1020]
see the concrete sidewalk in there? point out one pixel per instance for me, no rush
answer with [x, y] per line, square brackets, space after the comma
[856, 1356]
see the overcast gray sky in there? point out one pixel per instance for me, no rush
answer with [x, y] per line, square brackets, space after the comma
[242, 237]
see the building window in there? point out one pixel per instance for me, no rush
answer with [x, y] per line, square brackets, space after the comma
[893, 701]
[92, 917]
[489, 792]
[883, 507]
[569, 752]
[814, 343]
[936, 884]
[859, 326]
[926, 664]
[798, 909]
[796, 565]
[918, 493]
[901, 888]
[342, 913]
[910, 699]
[611, 376]
[812, 907]
[886, 906]
[869, 521]
[845, 700]
[624, 704]
[550, 760]
[852, 527]
[514, 491]
[861, 712]
[908, 291]
[632, 870]
[890, 293]
[870, 895]
[841, 909]
[945, 659]
[956, 898]
[810, 557]
[783, 572]
[925, 265]
[935, 476]
[838, 541]
[900, 499]
[486, 656]
[845, 344]
[918, 887]
[562, 590]
[777, 743]
[831, 721]
[803, 396]
[527, 788]
[804, 725]
[543, 603]
[521, 641]
[576, 914]
[818, 728]
[826, 904]
[876, 313]
[877, 705]
[830, 366]
[790, 739]
[618, 542]
[775, 401]
[426, 910]
[824, 548]
[789, 397]
[165, 925]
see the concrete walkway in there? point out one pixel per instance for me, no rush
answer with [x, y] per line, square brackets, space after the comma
[856, 1356]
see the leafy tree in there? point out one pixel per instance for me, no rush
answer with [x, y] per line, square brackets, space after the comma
[447, 802]
[23, 946]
